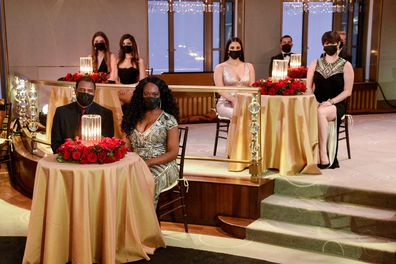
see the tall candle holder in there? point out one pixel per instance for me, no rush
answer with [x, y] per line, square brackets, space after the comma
[86, 65]
[295, 60]
[91, 129]
[279, 69]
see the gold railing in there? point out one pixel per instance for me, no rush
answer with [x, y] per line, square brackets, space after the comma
[195, 100]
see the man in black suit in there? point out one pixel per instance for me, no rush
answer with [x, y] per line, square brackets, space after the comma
[286, 44]
[343, 48]
[67, 118]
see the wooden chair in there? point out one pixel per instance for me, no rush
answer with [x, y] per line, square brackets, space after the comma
[5, 140]
[222, 127]
[343, 133]
[175, 193]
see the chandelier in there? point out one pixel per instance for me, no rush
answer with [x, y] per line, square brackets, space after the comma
[293, 7]
[183, 7]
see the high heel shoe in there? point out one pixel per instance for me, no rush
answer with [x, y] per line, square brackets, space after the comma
[323, 166]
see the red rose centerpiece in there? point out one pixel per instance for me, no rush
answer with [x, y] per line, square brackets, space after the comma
[108, 150]
[299, 72]
[281, 87]
[98, 77]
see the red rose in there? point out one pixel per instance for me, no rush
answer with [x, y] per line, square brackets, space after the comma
[102, 157]
[109, 159]
[124, 149]
[92, 158]
[118, 154]
[271, 91]
[66, 155]
[76, 155]
[84, 160]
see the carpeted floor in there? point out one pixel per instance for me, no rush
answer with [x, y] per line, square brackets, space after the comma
[12, 248]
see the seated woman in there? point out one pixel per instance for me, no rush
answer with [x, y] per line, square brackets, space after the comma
[102, 59]
[150, 124]
[330, 78]
[234, 71]
[130, 67]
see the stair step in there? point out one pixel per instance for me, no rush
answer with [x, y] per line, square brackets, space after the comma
[343, 216]
[324, 240]
[234, 226]
[310, 190]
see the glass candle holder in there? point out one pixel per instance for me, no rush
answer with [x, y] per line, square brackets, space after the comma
[91, 129]
[295, 60]
[279, 69]
[86, 65]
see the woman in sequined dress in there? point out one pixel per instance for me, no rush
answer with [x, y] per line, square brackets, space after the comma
[150, 122]
[234, 71]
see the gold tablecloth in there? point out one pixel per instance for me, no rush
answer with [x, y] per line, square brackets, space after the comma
[105, 96]
[92, 213]
[289, 134]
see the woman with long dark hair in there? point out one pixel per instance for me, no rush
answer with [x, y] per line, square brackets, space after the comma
[103, 60]
[130, 67]
[150, 123]
[234, 71]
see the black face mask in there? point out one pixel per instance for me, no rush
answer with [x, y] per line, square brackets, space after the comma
[151, 103]
[100, 46]
[286, 48]
[330, 50]
[235, 54]
[85, 99]
[127, 49]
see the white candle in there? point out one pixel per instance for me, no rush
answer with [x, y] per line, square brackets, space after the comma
[86, 65]
[279, 69]
[91, 129]
[295, 60]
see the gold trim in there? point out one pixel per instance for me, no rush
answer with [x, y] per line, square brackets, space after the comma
[216, 159]
[174, 88]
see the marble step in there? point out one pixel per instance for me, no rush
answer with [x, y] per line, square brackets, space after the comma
[341, 216]
[324, 240]
[334, 193]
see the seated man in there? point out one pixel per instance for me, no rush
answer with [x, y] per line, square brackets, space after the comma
[67, 118]
[286, 44]
[343, 47]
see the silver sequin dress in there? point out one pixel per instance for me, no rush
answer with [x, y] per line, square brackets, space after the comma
[224, 107]
[152, 143]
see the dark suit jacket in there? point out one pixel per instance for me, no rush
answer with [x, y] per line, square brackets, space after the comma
[276, 57]
[345, 55]
[66, 123]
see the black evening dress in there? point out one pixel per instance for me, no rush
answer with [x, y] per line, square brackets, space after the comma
[128, 75]
[103, 67]
[329, 82]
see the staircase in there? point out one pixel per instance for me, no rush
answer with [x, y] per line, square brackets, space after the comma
[357, 224]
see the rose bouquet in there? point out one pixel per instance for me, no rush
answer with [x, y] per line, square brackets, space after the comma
[300, 72]
[98, 77]
[108, 150]
[281, 87]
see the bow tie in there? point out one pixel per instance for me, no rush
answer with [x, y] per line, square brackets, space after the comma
[286, 54]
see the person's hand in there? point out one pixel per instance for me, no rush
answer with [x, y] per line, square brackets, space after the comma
[233, 100]
[326, 103]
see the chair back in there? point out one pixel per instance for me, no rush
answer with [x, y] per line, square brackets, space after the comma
[5, 117]
[183, 133]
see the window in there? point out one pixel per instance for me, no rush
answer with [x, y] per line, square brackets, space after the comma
[188, 36]
[306, 22]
